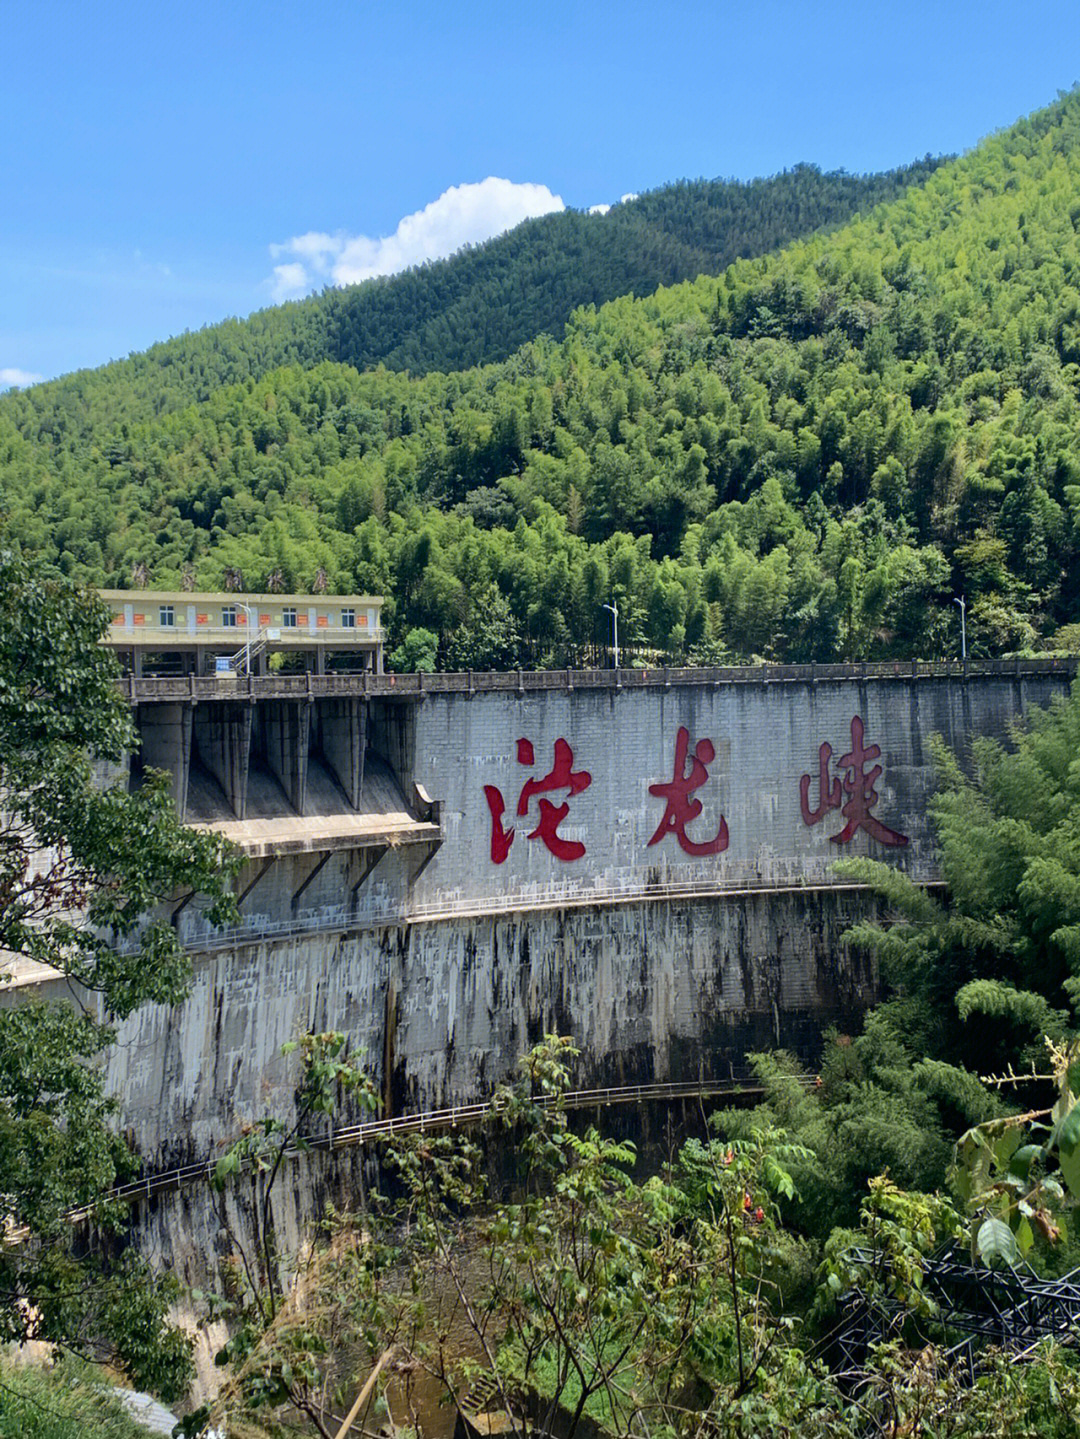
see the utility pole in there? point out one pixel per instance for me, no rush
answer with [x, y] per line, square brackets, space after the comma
[963, 626]
[615, 617]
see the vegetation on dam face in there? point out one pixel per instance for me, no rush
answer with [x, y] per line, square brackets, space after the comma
[67, 1400]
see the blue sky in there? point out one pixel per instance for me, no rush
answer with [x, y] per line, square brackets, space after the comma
[166, 166]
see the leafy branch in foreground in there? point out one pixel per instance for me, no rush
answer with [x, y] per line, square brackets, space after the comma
[81, 861]
[290, 1313]
[997, 967]
[1020, 1173]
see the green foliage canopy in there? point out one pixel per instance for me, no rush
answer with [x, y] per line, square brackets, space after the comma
[805, 458]
[983, 979]
[81, 860]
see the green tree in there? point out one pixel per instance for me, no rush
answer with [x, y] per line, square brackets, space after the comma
[279, 1354]
[416, 653]
[982, 979]
[490, 640]
[81, 862]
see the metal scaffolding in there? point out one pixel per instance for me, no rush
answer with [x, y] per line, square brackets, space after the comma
[1011, 1309]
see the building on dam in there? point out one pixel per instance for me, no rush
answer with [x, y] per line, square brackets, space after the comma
[204, 633]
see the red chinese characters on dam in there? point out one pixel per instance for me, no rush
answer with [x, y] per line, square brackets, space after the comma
[854, 780]
[562, 776]
[848, 785]
[680, 809]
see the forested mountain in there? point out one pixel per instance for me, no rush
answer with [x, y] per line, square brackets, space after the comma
[805, 458]
[483, 303]
[486, 302]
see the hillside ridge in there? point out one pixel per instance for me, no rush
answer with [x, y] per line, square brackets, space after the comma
[809, 457]
[481, 304]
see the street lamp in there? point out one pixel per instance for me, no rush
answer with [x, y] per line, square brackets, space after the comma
[615, 617]
[963, 626]
[247, 635]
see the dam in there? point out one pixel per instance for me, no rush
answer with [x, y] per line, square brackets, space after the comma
[448, 866]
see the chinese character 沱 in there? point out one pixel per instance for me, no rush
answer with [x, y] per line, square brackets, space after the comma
[563, 776]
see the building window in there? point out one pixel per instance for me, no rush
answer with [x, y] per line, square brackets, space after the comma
[228, 616]
[166, 617]
[288, 617]
[348, 619]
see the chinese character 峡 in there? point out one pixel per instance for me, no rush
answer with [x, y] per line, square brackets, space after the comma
[681, 809]
[857, 783]
[563, 776]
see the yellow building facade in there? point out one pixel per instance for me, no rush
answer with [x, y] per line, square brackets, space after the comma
[185, 632]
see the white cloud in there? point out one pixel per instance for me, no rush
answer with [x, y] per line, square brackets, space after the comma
[13, 376]
[462, 215]
[605, 209]
[289, 281]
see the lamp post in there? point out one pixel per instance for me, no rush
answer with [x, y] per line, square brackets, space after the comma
[614, 609]
[247, 636]
[963, 626]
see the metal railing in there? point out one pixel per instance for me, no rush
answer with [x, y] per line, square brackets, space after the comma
[337, 919]
[459, 1116]
[562, 897]
[472, 682]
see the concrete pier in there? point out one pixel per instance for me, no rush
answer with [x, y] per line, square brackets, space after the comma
[283, 730]
[165, 744]
[222, 742]
[342, 739]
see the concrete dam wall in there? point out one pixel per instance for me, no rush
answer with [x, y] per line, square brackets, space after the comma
[447, 867]
[644, 863]
[653, 990]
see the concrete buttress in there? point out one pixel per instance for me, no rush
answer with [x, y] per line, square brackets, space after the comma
[165, 744]
[284, 728]
[342, 737]
[223, 744]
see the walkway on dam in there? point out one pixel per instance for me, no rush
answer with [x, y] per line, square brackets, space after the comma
[195, 688]
[17, 971]
[434, 1120]
[336, 919]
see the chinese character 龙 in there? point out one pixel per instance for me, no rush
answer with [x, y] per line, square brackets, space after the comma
[681, 809]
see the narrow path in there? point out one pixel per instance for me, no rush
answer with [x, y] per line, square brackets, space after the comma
[461, 1116]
